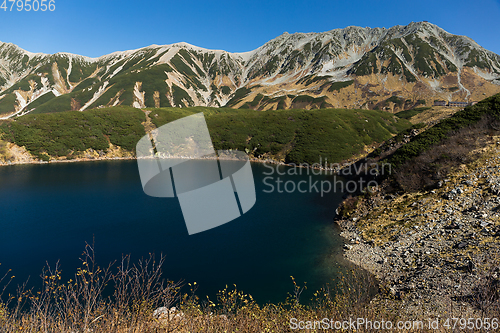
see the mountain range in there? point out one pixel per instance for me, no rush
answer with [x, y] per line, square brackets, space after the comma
[375, 68]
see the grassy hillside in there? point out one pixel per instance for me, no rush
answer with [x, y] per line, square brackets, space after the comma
[424, 160]
[407, 114]
[68, 133]
[470, 116]
[292, 135]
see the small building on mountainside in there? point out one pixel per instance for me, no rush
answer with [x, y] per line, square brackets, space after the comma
[458, 104]
[453, 104]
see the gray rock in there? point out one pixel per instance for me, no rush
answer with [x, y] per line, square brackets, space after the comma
[460, 245]
[483, 224]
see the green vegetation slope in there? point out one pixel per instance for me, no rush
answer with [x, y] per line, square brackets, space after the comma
[294, 136]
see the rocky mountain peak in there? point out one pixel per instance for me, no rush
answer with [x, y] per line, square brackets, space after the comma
[394, 69]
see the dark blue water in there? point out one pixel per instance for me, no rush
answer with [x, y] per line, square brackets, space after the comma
[49, 212]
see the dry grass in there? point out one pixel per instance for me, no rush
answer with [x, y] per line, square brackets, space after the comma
[80, 304]
[434, 115]
[433, 165]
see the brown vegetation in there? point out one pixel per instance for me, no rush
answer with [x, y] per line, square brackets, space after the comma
[80, 304]
[433, 165]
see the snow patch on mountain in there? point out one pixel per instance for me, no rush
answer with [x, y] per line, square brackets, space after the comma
[116, 71]
[38, 92]
[167, 56]
[434, 84]
[21, 101]
[486, 75]
[102, 89]
[244, 56]
[138, 96]
[344, 60]
[68, 73]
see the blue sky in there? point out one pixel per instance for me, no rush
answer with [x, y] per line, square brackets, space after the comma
[95, 28]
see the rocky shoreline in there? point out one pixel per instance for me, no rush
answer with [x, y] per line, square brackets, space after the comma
[28, 161]
[67, 161]
[21, 156]
[31, 160]
[433, 252]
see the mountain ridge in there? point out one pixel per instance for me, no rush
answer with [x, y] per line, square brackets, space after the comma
[352, 67]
